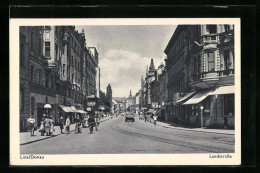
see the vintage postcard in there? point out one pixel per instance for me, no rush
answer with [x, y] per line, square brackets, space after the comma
[140, 91]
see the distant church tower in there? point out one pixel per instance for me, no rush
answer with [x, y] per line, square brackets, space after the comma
[130, 95]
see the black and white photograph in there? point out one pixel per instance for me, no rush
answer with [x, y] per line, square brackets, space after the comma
[105, 88]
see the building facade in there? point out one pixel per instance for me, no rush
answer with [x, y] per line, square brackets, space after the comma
[200, 69]
[52, 68]
[130, 102]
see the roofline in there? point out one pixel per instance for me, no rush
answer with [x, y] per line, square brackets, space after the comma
[174, 37]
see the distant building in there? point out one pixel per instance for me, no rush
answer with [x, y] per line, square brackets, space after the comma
[109, 96]
[121, 102]
[130, 102]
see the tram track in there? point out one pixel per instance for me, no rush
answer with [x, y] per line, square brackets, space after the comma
[196, 147]
[184, 136]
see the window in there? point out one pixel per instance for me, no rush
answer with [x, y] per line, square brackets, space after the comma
[56, 52]
[227, 28]
[21, 99]
[40, 76]
[40, 44]
[211, 61]
[63, 69]
[68, 72]
[226, 60]
[72, 61]
[78, 66]
[31, 40]
[72, 78]
[228, 104]
[32, 73]
[21, 54]
[46, 81]
[212, 29]
[47, 49]
[199, 65]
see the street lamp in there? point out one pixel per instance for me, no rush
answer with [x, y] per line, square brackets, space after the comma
[201, 114]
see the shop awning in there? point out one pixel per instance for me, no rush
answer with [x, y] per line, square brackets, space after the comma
[73, 108]
[185, 97]
[158, 111]
[151, 111]
[69, 108]
[81, 111]
[65, 108]
[198, 97]
[224, 90]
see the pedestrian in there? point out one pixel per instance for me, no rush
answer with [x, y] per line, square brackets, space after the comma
[67, 125]
[97, 118]
[91, 123]
[155, 119]
[61, 124]
[52, 129]
[77, 124]
[31, 121]
[47, 124]
[80, 125]
[145, 118]
[42, 128]
[225, 119]
[197, 120]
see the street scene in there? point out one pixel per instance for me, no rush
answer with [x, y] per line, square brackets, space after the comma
[117, 136]
[127, 89]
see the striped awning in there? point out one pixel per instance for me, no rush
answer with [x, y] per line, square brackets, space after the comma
[197, 98]
[224, 90]
[186, 97]
[66, 108]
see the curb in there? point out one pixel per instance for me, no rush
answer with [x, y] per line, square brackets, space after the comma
[42, 139]
[39, 139]
[193, 130]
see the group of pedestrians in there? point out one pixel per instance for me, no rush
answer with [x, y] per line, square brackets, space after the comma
[93, 121]
[147, 117]
[47, 125]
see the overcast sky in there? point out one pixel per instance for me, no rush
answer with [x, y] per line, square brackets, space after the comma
[125, 52]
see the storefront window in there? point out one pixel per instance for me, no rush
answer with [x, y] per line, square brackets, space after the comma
[229, 104]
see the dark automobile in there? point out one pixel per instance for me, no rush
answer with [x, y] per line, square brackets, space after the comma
[130, 117]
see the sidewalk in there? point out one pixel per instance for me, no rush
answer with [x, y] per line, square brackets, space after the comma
[25, 137]
[218, 131]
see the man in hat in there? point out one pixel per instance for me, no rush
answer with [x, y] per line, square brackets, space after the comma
[61, 124]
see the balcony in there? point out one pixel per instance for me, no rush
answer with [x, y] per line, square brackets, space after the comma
[55, 64]
[210, 79]
[210, 41]
[226, 37]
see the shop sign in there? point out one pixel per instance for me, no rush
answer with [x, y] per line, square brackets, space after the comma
[91, 103]
[154, 104]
